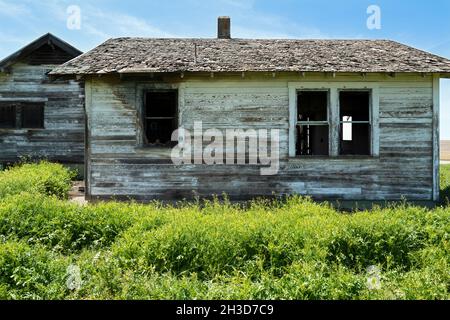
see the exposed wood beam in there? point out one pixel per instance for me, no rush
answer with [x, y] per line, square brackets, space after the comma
[19, 99]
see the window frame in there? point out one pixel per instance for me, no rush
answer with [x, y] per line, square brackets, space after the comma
[341, 122]
[144, 118]
[334, 115]
[18, 104]
[313, 123]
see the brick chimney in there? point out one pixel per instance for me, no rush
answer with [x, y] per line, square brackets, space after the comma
[224, 28]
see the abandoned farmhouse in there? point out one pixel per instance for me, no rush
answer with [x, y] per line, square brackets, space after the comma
[40, 118]
[356, 119]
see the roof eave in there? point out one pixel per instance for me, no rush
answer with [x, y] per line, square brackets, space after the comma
[441, 73]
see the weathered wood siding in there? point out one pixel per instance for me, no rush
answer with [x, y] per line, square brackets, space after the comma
[120, 167]
[62, 138]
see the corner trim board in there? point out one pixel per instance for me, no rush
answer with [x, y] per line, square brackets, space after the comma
[436, 142]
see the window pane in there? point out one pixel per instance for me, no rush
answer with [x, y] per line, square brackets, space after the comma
[359, 144]
[312, 140]
[161, 104]
[313, 106]
[355, 104]
[33, 115]
[158, 106]
[7, 116]
[355, 138]
[159, 131]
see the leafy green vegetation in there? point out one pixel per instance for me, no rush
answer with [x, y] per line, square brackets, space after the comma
[292, 249]
[43, 178]
[445, 184]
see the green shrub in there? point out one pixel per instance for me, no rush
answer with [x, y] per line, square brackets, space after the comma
[198, 241]
[387, 238]
[31, 272]
[290, 249]
[212, 242]
[445, 184]
[61, 225]
[44, 178]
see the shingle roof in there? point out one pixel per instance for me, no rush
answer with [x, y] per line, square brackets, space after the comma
[36, 44]
[132, 55]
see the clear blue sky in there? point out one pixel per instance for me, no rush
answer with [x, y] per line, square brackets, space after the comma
[423, 24]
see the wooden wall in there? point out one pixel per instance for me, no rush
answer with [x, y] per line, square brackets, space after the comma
[62, 138]
[121, 168]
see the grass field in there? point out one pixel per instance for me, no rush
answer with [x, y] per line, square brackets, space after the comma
[292, 249]
[445, 150]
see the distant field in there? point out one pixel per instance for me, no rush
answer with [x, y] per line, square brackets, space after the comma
[445, 150]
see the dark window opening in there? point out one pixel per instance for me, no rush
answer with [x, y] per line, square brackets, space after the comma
[160, 117]
[355, 123]
[33, 115]
[312, 123]
[312, 140]
[313, 106]
[7, 116]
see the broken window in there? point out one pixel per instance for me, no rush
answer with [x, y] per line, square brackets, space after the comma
[312, 123]
[160, 117]
[32, 115]
[355, 122]
[7, 116]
